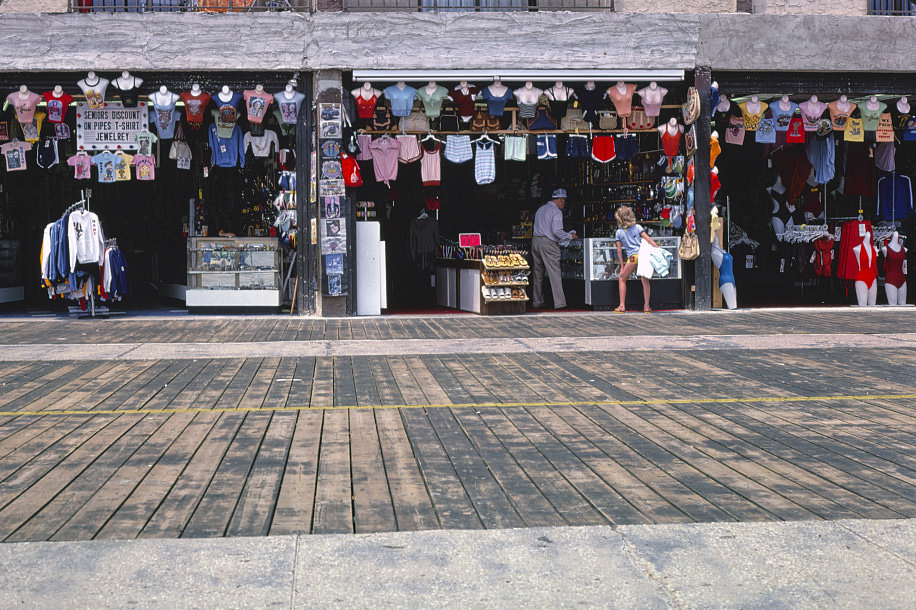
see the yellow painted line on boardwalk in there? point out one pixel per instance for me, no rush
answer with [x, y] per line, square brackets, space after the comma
[470, 405]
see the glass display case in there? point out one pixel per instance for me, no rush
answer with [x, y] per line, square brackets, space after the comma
[571, 261]
[234, 272]
[602, 271]
[12, 287]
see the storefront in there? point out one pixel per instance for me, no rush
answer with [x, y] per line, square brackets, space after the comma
[191, 179]
[816, 192]
[450, 181]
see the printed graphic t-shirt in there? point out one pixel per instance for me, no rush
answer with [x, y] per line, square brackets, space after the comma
[14, 153]
[80, 165]
[24, 107]
[106, 163]
[257, 102]
[146, 167]
[289, 107]
[57, 106]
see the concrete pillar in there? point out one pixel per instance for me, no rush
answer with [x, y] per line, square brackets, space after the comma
[701, 188]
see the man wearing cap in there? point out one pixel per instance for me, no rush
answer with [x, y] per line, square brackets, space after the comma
[548, 233]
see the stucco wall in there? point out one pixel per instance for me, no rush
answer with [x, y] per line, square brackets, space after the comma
[810, 7]
[675, 6]
[817, 43]
[33, 6]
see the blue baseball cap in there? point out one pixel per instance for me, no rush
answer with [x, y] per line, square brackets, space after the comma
[559, 194]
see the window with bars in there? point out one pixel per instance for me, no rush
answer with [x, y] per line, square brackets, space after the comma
[892, 7]
[167, 6]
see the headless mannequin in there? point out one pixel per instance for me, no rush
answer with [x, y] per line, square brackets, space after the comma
[225, 94]
[259, 88]
[590, 85]
[843, 104]
[671, 128]
[784, 103]
[813, 107]
[195, 90]
[753, 105]
[903, 105]
[652, 94]
[431, 87]
[865, 295]
[127, 81]
[528, 94]
[163, 97]
[559, 92]
[58, 91]
[92, 79]
[779, 225]
[366, 91]
[289, 91]
[895, 295]
[723, 104]
[497, 88]
[872, 103]
[23, 92]
[727, 287]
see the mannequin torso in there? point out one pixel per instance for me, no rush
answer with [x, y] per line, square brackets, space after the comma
[463, 94]
[257, 100]
[93, 87]
[752, 110]
[195, 105]
[811, 112]
[782, 112]
[622, 96]
[839, 112]
[58, 103]
[431, 97]
[652, 97]
[289, 101]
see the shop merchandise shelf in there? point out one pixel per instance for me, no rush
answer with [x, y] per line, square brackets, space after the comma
[233, 272]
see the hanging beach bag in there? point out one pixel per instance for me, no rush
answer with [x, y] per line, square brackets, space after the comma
[416, 121]
[639, 120]
[691, 108]
[448, 120]
[885, 131]
[607, 119]
[381, 118]
[572, 120]
[542, 120]
[690, 247]
[479, 120]
[350, 170]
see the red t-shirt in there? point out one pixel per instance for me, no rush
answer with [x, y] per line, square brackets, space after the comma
[195, 106]
[57, 106]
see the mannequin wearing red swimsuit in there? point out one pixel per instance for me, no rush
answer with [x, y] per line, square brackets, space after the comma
[894, 270]
[866, 286]
[366, 97]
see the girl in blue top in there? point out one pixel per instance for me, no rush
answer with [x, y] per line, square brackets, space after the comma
[628, 236]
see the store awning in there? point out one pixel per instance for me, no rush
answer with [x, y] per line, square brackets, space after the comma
[518, 75]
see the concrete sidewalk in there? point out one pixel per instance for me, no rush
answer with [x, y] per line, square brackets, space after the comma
[812, 564]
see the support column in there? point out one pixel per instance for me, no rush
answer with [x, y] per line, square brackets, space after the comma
[307, 253]
[702, 275]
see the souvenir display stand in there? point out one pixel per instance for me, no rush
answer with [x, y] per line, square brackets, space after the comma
[234, 272]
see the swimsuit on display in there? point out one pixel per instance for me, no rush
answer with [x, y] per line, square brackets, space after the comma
[577, 147]
[547, 146]
[626, 146]
[653, 107]
[496, 104]
[458, 149]
[893, 267]
[365, 108]
[782, 211]
[516, 148]
[868, 266]
[603, 150]
[558, 106]
[671, 143]
[823, 256]
[726, 275]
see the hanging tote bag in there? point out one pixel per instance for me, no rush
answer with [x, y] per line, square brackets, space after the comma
[416, 121]
[607, 119]
[542, 120]
[381, 118]
[885, 131]
[691, 108]
[639, 120]
[572, 120]
[690, 247]
[479, 120]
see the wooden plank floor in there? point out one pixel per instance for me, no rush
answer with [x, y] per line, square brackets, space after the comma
[257, 446]
[459, 326]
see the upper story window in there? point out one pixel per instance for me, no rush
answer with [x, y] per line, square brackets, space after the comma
[168, 6]
[891, 7]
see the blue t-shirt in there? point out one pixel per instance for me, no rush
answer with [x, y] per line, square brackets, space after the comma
[781, 116]
[289, 108]
[496, 105]
[106, 162]
[401, 99]
[630, 238]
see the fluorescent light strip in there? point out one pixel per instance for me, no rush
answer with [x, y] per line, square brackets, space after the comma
[517, 75]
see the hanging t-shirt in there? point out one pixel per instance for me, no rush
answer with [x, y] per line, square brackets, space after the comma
[195, 107]
[811, 114]
[146, 167]
[24, 106]
[496, 104]
[105, 163]
[782, 117]
[464, 100]
[31, 131]
[226, 114]
[129, 91]
[226, 152]
[14, 153]
[260, 145]
[80, 164]
[752, 119]
[289, 106]
[165, 115]
[591, 101]
[57, 106]
[145, 140]
[384, 153]
[94, 91]
[122, 169]
[871, 117]
[257, 102]
[432, 102]
[401, 99]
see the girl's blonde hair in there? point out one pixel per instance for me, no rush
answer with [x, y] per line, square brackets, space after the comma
[625, 217]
